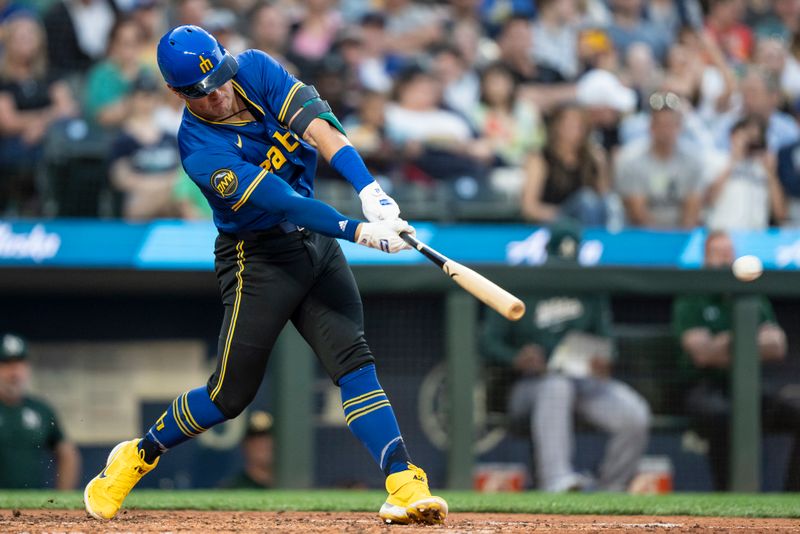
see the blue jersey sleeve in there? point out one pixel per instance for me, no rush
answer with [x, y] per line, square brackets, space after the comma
[235, 182]
[278, 86]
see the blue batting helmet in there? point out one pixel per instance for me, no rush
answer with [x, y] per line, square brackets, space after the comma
[193, 62]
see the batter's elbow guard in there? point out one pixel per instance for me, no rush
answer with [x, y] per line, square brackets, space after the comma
[306, 105]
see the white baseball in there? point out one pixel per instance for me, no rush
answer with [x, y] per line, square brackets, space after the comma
[747, 268]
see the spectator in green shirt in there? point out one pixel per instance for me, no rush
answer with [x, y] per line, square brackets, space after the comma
[702, 324]
[109, 82]
[545, 397]
[29, 429]
[258, 454]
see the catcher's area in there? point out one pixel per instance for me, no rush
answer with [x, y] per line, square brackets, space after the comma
[69, 521]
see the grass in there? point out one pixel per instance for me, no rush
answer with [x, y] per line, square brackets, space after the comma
[699, 504]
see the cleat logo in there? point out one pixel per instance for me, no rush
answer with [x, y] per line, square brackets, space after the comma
[141, 471]
[102, 473]
[421, 479]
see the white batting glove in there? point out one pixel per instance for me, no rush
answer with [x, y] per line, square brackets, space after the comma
[384, 235]
[377, 205]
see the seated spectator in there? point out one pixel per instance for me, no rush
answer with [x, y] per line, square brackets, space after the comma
[191, 12]
[642, 73]
[29, 429]
[411, 27]
[144, 158]
[31, 100]
[461, 84]
[746, 194]
[109, 82]
[515, 41]
[789, 175]
[628, 26]
[702, 324]
[570, 177]
[437, 142]
[606, 100]
[556, 36]
[257, 453]
[562, 358]
[782, 21]
[367, 132]
[724, 22]
[314, 34]
[510, 125]
[773, 57]
[658, 178]
[269, 32]
[79, 32]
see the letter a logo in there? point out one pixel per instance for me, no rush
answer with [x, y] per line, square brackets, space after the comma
[205, 65]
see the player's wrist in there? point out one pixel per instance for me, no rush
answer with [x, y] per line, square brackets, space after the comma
[348, 163]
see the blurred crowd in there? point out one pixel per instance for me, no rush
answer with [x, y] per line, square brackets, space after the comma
[659, 114]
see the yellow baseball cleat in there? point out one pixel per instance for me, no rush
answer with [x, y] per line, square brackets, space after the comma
[125, 466]
[410, 499]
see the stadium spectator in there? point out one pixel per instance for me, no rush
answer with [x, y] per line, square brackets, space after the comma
[642, 72]
[746, 194]
[555, 34]
[108, 84]
[151, 17]
[461, 83]
[269, 32]
[562, 357]
[781, 22]
[78, 32]
[377, 65]
[570, 176]
[258, 454]
[314, 34]
[724, 22]
[144, 158]
[789, 175]
[191, 12]
[31, 100]
[367, 131]
[224, 25]
[438, 143]
[629, 26]
[773, 57]
[658, 178]
[29, 429]
[411, 27]
[509, 124]
[606, 99]
[515, 41]
[703, 326]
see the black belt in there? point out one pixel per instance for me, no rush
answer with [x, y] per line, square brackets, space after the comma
[284, 228]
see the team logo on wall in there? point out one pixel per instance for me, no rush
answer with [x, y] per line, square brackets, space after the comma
[225, 182]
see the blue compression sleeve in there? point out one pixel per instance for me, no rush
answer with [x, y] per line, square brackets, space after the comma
[275, 195]
[349, 164]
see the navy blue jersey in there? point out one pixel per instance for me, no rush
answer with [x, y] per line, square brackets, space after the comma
[231, 160]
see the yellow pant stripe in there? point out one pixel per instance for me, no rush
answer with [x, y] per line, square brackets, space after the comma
[177, 417]
[365, 399]
[237, 302]
[249, 190]
[285, 106]
[367, 409]
[356, 400]
[188, 415]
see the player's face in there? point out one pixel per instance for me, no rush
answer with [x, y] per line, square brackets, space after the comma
[215, 106]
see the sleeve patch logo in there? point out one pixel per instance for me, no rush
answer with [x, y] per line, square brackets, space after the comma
[225, 182]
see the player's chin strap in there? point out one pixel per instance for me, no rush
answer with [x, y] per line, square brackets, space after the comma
[308, 105]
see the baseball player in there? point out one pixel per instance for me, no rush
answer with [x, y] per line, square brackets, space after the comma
[249, 139]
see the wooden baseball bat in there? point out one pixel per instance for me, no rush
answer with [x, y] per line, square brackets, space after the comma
[483, 289]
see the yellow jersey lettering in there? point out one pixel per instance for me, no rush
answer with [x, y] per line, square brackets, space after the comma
[276, 157]
[290, 146]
